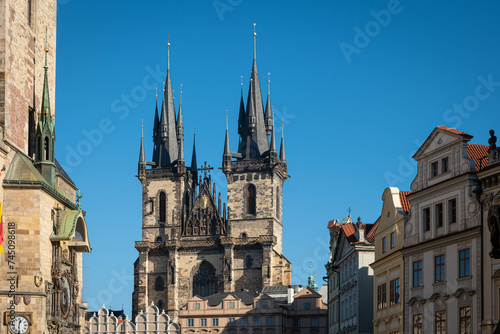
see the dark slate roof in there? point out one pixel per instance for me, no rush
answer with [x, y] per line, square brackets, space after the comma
[216, 299]
[63, 173]
[116, 313]
[278, 289]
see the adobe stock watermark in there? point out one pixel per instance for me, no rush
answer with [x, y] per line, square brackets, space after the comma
[455, 115]
[406, 168]
[363, 37]
[223, 6]
[121, 108]
[116, 284]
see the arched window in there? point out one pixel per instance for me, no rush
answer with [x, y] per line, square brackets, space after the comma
[250, 200]
[47, 148]
[159, 283]
[163, 208]
[160, 305]
[204, 280]
[158, 239]
[243, 235]
[249, 261]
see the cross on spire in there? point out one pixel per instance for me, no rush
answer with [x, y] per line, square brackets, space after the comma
[205, 169]
[349, 210]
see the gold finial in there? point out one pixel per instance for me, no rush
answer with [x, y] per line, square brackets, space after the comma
[254, 33]
[168, 40]
[180, 98]
[142, 122]
[241, 81]
[156, 94]
[164, 86]
[268, 77]
[227, 124]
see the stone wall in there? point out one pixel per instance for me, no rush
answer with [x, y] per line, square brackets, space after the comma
[20, 45]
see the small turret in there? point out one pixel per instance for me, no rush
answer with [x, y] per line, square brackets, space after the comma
[273, 153]
[227, 157]
[45, 133]
[267, 114]
[156, 134]
[194, 168]
[142, 159]
[282, 148]
[180, 136]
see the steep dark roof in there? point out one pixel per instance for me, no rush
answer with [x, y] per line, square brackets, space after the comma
[63, 173]
[216, 299]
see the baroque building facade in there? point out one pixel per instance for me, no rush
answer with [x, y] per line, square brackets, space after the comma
[192, 243]
[442, 245]
[44, 227]
[388, 268]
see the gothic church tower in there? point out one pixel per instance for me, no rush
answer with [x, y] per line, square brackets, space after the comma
[191, 243]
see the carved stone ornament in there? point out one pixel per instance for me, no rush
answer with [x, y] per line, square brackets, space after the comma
[38, 281]
[27, 300]
[17, 300]
[494, 227]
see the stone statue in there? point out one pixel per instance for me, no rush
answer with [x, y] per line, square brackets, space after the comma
[493, 140]
[495, 237]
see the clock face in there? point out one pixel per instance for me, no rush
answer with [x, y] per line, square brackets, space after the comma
[19, 325]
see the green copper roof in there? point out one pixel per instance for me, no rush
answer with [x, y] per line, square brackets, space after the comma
[22, 169]
[67, 221]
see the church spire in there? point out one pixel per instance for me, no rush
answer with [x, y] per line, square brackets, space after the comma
[268, 119]
[194, 168]
[156, 133]
[241, 117]
[45, 132]
[168, 122]
[282, 148]
[273, 152]
[254, 141]
[180, 130]
[142, 158]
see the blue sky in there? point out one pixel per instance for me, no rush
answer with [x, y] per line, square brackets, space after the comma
[359, 85]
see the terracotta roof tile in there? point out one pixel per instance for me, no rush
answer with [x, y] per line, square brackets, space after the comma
[452, 130]
[478, 153]
[370, 236]
[331, 223]
[405, 203]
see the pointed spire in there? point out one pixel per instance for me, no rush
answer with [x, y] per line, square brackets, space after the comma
[241, 117]
[254, 43]
[45, 112]
[45, 132]
[254, 141]
[168, 122]
[194, 164]
[273, 152]
[156, 133]
[267, 115]
[227, 149]
[142, 158]
[282, 148]
[180, 127]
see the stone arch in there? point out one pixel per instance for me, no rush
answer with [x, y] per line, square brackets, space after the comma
[204, 279]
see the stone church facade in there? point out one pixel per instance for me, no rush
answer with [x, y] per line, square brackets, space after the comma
[192, 243]
[44, 229]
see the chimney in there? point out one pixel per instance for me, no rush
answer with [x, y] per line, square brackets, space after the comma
[361, 230]
[290, 295]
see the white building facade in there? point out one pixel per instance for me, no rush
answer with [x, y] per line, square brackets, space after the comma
[442, 245]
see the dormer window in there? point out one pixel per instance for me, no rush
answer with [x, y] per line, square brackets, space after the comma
[444, 165]
[434, 169]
